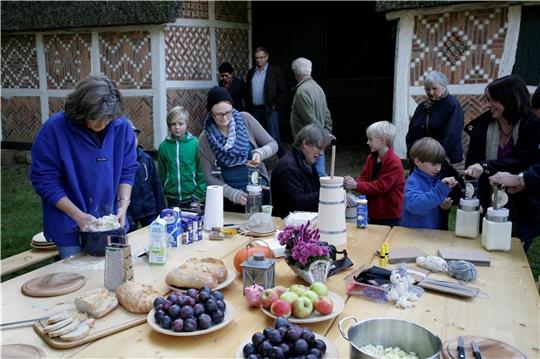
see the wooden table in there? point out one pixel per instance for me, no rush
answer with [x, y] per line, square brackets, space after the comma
[26, 259]
[507, 308]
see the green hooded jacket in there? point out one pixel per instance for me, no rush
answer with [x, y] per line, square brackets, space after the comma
[180, 168]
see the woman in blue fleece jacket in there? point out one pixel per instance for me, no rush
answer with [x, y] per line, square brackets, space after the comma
[84, 162]
[425, 195]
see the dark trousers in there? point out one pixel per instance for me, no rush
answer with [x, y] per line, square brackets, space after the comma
[145, 221]
[270, 121]
[385, 222]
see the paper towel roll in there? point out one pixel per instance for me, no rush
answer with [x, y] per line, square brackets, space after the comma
[213, 208]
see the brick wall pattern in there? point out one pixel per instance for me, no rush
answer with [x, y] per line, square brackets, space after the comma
[193, 10]
[21, 118]
[187, 53]
[232, 46]
[56, 104]
[125, 58]
[19, 62]
[67, 59]
[466, 46]
[233, 11]
[194, 100]
[473, 105]
[139, 110]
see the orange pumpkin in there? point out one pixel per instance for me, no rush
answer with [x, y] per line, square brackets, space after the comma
[248, 251]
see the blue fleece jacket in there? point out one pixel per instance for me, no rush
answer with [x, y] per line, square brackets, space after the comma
[70, 160]
[423, 195]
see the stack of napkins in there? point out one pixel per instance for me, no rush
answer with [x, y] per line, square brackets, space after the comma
[273, 244]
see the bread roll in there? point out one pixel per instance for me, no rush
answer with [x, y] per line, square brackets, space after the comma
[97, 302]
[211, 265]
[135, 297]
[186, 278]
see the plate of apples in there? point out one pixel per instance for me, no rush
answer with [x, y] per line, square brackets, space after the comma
[301, 304]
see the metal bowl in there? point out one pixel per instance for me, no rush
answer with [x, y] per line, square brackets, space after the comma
[94, 243]
[407, 336]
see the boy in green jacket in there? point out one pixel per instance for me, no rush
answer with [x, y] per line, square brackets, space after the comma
[178, 162]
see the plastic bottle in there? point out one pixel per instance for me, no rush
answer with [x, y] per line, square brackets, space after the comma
[468, 218]
[497, 230]
[254, 200]
[157, 247]
[362, 212]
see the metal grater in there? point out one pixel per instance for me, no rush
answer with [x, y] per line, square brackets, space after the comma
[118, 265]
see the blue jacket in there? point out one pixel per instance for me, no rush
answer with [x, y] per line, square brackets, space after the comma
[147, 193]
[70, 161]
[423, 195]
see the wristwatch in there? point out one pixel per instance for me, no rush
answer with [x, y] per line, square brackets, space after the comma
[521, 179]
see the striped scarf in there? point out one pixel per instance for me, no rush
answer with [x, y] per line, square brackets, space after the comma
[231, 150]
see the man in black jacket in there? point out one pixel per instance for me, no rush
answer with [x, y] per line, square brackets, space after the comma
[265, 93]
[295, 181]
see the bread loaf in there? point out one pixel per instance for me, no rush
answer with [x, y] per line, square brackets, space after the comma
[186, 278]
[135, 297]
[211, 265]
[97, 302]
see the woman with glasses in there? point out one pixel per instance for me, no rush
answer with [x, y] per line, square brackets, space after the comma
[84, 162]
[230, 141]
[234, 84]
[441, 118]
[506, 139]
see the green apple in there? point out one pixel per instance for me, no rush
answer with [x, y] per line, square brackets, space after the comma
[320, 288]
[298, 289]
[289, 297]
[311, 295]
[302, 307]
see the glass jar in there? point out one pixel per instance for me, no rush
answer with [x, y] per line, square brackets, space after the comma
[254, 200]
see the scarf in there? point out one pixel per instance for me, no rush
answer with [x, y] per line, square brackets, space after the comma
[493, 138]
[231, 150]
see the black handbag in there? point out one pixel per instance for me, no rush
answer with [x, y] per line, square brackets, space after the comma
[338, 265]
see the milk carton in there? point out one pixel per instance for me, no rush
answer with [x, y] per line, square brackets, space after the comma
[172, 218]
[157, 247]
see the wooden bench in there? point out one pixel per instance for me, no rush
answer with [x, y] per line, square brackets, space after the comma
[26, 259]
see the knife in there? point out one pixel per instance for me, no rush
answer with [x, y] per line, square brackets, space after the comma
[476, 350]
[28, 321]
[461, 348]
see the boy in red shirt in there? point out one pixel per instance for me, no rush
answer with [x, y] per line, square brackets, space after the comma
[382, 179]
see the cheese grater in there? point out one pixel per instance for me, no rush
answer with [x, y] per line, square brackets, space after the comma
[118, 265]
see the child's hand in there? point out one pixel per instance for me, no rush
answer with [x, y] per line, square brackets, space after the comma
[449, 181]
[349, 182]
[447, 203]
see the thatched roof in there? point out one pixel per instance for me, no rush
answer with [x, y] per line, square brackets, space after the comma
[385, 6]
[49, 15]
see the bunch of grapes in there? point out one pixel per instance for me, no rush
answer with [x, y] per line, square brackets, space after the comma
[285, 340]
[196, 309]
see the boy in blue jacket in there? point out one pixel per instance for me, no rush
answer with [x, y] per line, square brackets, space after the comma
[147, 199]
[425, 195]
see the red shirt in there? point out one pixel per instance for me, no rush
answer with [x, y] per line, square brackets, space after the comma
[384, 193]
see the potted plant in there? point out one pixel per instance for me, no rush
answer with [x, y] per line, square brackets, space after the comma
[304, 253]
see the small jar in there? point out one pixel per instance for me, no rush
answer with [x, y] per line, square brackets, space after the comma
[254, 200]
[497, 230]
[468, 218]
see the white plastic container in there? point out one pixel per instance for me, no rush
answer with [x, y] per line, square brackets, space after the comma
[468, 218]
[497, 230]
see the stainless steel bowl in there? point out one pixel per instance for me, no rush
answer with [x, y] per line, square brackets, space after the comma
[408, 336]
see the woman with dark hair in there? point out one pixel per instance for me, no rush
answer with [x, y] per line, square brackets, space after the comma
[234, 84]
[505, 139]
[84, 162]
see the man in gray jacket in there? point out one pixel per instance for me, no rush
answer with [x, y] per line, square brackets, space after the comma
[309, 105]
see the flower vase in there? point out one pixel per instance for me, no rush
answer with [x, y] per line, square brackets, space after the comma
[316, 272]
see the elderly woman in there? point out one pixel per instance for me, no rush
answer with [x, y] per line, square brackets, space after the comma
[295, 181]
[441, 118]
[84, 162]
[230, 139]
[506, 139]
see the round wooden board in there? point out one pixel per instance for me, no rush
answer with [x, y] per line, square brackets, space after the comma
[489, 348]
[53, 284]
[22, 351]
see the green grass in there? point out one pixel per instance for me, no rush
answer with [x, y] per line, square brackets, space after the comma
[22, 218]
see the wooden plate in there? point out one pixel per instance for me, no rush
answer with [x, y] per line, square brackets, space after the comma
[331, 350]
[21, 351]
[229, 315]
[53, 284]
[489, 348]
[315, 317]
[231, 276]
[247, 232]
[43, 247]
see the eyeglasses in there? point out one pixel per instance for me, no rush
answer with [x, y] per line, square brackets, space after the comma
[221, 115]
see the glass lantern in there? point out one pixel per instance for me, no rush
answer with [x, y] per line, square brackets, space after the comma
[258, 270]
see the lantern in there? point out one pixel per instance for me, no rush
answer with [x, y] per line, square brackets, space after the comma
[258, 270]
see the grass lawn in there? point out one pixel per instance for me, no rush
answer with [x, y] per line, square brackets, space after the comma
[22, 218]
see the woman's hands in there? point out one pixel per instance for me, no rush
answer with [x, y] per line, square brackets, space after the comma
[475, 170]
[507, 179]
[256, 158]
[243, 198]
[349, 182]
[84, 220]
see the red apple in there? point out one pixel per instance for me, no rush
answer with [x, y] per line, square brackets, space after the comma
[323, 305]
[268, 297]
[280, 290]
[281, 308]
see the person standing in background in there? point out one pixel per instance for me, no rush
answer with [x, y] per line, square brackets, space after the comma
[309, 105]
[234, 84]
[265, 94]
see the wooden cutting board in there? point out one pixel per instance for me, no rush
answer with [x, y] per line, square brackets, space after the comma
[489, 348]
[404, 254]
[21, 351]
[53, 284]
[479, 258]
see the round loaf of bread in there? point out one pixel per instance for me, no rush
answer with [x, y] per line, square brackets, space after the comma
[187, 278]
[211, 265]
[135, 297]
